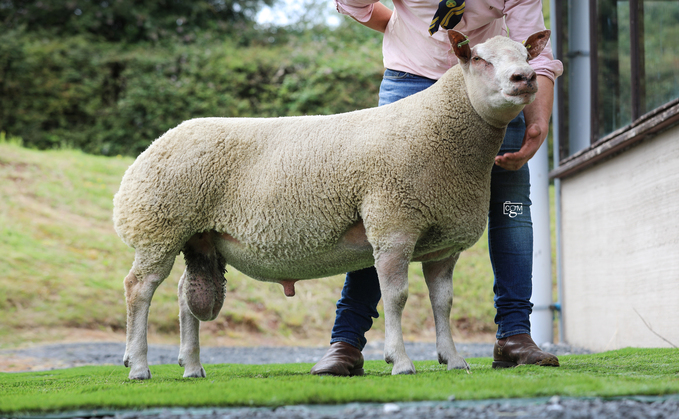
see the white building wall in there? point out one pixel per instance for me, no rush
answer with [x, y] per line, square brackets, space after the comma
[621, 248]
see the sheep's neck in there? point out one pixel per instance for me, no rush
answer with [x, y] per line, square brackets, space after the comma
[488, 103]
[494, 116]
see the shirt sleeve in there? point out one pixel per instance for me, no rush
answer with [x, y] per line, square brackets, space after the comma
[360, 10]
[523, 18]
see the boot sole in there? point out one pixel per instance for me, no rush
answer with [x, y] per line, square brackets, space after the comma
[504, 364]
[354, 372]
[543, 363]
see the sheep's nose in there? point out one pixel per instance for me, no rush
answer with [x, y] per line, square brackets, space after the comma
[528, 77]
[522, 81]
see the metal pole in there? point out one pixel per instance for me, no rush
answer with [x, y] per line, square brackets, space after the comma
[542, 319]
[579, 90]
[542, 326]
[555, 15]
[559, 305]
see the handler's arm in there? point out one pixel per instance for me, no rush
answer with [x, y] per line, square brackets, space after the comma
[537, 116]
[379, 18]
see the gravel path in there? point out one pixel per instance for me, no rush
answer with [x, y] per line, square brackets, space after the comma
[69, 355]
[553, 408]
[77, 354]
[100, 353]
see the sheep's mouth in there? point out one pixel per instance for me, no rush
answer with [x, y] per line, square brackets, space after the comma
[523, 96]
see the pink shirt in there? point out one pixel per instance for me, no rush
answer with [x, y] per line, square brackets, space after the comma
[408, 47]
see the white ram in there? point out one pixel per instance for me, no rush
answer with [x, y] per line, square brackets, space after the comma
[285, 199]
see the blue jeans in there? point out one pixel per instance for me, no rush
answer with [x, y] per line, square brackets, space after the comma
[510, 240]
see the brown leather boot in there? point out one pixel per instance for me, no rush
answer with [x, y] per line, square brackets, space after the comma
[520, 350]
[341, 359]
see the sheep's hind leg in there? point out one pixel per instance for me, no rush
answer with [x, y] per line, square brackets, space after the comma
[189, 327]
[201, 295]
[392, 270]
[148, 271]
[439, 278]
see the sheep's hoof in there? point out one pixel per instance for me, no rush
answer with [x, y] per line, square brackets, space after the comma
[454, 362]
[141, 374]
[195, 373]
[136, 373]
[405, 368]
[458, 363]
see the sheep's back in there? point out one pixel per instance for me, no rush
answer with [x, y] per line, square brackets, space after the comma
[262, 181]
[290, 187]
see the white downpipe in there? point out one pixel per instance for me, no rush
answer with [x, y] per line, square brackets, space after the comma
[559, 260]
[556, 139]
[542, 328]
[542, 318]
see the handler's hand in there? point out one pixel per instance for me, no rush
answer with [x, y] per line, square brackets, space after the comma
[532, 141]
[537, 116]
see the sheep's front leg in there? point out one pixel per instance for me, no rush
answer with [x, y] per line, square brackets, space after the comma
[189, 327]
[392, 269]
[439, 278]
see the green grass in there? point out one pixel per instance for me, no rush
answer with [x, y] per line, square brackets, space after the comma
[617, 373]
[62, 266]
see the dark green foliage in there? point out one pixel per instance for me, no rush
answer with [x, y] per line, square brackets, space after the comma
[115, 98]
[129, 20]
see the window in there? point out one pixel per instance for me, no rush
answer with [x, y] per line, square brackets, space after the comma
[637, 59]
[628, 51]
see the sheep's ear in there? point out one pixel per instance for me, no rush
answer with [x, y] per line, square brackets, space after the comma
[460, 45]
[536, 43]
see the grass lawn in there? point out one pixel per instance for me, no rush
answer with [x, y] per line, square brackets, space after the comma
[609, 374]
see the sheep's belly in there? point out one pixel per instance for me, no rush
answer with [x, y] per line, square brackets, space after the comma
[352, 252]
[344, 257]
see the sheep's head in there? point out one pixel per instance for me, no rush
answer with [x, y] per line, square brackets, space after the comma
[499, 80]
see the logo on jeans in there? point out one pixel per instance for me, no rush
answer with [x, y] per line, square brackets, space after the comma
[512, 209]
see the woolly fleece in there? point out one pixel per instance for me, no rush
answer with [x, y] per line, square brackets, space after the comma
[284, 192]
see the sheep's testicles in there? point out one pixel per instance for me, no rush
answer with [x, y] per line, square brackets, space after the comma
[203, 284]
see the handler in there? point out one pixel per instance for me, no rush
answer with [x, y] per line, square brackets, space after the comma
[416, 54]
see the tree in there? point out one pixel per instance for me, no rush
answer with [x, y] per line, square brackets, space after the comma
[130, 20]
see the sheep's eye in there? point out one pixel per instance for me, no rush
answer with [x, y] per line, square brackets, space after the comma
[477, 58]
